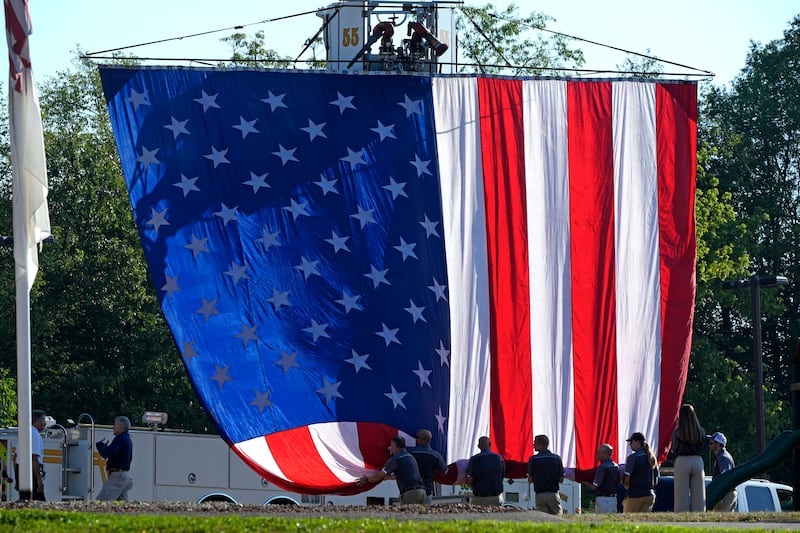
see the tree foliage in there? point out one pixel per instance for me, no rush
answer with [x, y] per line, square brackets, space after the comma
[642, 66]
[753, 132]
[504, 41]
[100, 344]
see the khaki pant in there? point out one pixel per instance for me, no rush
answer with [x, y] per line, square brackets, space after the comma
[413, 496]
[548, 502]
[727, 504]
[643, 504]
[116, 487]
[487, 501]
[605, 505]
[690, 484]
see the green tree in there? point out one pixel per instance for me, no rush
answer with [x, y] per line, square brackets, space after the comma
[252, 52]
[504, 41]
[100, 344]
[642, 66]
[754, 126]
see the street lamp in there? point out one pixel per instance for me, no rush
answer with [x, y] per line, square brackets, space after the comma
[755, 283]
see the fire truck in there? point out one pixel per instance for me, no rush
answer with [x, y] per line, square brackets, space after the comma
[167, 465]
[170, 465]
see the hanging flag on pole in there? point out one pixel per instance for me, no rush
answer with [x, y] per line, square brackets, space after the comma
[345, 258]
[31, 218]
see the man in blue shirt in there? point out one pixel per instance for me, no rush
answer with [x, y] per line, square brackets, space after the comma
[485, 473]
[724, 462]
[404, 467]
[118, 456]
[606, 479]
[546, 472]
[429, 461]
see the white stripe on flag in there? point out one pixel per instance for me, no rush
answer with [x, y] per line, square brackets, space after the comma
[638, 298]
[338, 445]
[464, 230]
[547, 186]
[258, 452]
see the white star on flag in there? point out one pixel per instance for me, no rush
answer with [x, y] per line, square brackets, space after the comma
[354, 158]
[412, 107]
[287, 361]
[396, 397]
[384, 131]
[423, 375]
[257, 181]
[308, 268]
[274, 101]
[148, 157]
[349, 302]
[444, 354]
[327, 185]
[377, 276]
[338, 243]
[438, 290]
[297, 209]
[137, 99]
[209, 308]
[430, 227]
[246, 126]
[440, 420]
[218, 156]
[197, 245]
[358, 361]
[364, 216]
[248, 334]
[171, 285]
[279, 299]
[221, 375]
[407, 249]
[329, 390]
[261, 400]
[268, 239]
[396, 188]
[415, 312]
[177, 127]
[388, 334]
[237, 272]
[207, 101]
[317, 330]
[286, 154]
[158, 219]
[343, 102]
[187, 185]
[421, 166]
[227, 214]
[314, 130]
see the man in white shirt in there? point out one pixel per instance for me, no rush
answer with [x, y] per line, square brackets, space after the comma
[37, 455]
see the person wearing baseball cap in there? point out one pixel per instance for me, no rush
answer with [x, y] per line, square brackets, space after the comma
[723, 463]
[641, 477]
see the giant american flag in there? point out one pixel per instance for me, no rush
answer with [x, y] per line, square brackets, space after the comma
[344, 258]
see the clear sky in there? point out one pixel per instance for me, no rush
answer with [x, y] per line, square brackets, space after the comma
[708, 34]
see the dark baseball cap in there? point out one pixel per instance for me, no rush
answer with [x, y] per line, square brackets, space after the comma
[638, 437]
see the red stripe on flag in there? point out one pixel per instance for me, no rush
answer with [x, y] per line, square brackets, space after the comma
[296, 455]
[676, 144]
[591, 191]
[373, 443]
[503, 155]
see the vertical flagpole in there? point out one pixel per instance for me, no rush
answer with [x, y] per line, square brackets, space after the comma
[24, 445]
[30, 213]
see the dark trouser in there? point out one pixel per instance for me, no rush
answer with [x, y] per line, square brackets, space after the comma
[27, 495]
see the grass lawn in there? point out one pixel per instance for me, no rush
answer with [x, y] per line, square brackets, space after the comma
[38, 520]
